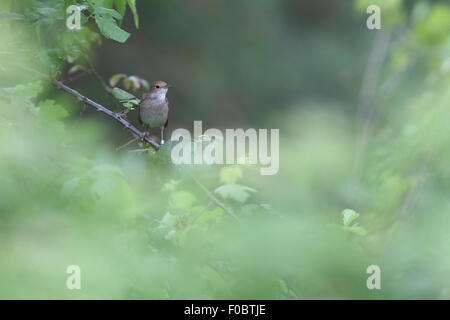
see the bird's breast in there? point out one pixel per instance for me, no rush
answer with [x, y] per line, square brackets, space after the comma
[154, 113]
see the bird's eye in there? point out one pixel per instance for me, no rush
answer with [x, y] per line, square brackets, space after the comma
[157, 87]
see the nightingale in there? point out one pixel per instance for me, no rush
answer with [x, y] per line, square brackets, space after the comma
[154, 107]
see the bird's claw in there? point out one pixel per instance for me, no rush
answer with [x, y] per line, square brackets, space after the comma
[146, 134]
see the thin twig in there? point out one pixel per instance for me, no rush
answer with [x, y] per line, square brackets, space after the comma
[127, 144]
[99, 78]
[213, 198]
[105, 86]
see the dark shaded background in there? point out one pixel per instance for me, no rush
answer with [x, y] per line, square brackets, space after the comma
[235, 63]
[140, 228]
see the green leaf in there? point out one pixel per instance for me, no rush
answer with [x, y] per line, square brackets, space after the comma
[107, 12]
[209, 215]
[51, 58]
[145, 84]
[169, 220]
[182, 199]
[111, 194]
[121, 6]
[170, 186]
[115, 79]
[230, 175]
[120, 94]
[69, 186]
[23, 91]
[75, 69]
[127, 83]
[360, 231]
[434, 29]
[135, 81]
[107, 3]
[49, 110]
[235, 192]
[132, 4]
[349, 216]
[129, 104]
[109, 28]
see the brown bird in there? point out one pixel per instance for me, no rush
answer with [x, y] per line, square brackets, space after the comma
[154, 107]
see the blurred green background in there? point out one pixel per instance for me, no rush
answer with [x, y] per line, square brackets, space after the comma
[363, 118]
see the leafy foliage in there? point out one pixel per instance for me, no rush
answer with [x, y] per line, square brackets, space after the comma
[107, 18]
[68, 197]
[125, 98]
[235, 192]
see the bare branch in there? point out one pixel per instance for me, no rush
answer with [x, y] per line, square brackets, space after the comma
[99, 107]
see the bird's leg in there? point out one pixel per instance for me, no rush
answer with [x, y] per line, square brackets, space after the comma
[162, 135]
[146, 132]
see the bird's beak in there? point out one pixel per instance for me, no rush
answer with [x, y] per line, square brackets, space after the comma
[169, 86]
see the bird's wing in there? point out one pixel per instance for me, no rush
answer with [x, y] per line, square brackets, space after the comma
[144, 96]
[167, 121]
[139, 115]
